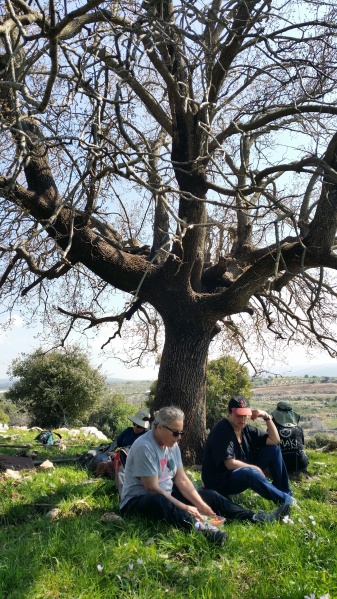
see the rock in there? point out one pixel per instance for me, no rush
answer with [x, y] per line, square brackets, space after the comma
[53, 514]
[46, 465]
[92, 430]
[111, 517]
[12, 474]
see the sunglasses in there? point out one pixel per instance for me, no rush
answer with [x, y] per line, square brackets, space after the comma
[174, 433]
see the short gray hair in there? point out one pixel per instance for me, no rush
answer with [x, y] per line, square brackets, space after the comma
[167, 415]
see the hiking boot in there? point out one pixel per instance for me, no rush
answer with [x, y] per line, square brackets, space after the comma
[212, 533]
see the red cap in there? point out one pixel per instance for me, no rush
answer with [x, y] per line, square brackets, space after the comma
[240, 406]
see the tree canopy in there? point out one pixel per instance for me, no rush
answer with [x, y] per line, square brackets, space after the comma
[182, 153]
[57, 388]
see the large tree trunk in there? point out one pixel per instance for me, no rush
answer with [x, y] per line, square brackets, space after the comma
[182, 382]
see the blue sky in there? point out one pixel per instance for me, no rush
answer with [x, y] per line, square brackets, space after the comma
[21, 339]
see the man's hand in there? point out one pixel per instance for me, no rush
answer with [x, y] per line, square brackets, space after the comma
[260, 414]
[273, 436]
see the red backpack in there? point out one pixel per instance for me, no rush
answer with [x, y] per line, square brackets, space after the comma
[119, 462]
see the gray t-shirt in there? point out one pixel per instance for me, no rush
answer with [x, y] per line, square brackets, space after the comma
[147, 458]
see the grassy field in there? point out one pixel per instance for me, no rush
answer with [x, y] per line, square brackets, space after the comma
[313, 398]
[82, 551]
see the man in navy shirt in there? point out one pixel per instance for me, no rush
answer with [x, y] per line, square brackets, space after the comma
[237, 454]
[141, 424]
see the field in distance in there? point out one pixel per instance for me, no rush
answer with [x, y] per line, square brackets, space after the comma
[314, 398]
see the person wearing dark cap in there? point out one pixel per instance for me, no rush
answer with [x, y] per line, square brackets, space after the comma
[237, 454]
[291, 438]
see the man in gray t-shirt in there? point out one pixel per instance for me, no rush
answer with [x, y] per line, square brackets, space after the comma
[149, 459]
[157, 487]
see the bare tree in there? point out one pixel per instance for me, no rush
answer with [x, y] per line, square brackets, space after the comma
[183, 153]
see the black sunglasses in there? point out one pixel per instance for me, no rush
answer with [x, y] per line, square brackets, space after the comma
[174, 433]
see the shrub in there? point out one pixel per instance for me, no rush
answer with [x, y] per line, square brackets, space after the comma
[318, 440]
[55, 388]
[110, 415]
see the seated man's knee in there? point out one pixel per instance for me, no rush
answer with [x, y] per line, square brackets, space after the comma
[271, 451]
[249, 473]
[274, 449]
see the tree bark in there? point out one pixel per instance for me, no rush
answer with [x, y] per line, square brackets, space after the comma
[182, 382]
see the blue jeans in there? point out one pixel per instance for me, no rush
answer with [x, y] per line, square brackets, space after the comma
[155, 506]
[239, 480]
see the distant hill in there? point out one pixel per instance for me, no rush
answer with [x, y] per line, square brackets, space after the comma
[329, 369]
[320, 370]
[5, 384]
[111, 380]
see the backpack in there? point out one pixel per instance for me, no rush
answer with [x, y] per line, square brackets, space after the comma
[291, 438]
[119, 462]
[292, 447]
[100, 463]
[92, 458]
[46, 438]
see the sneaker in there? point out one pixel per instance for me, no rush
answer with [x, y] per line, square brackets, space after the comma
[293, 502]
[212, 533]
[275, 515]
[280, 512]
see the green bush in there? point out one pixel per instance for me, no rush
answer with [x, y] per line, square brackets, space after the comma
[225, 378]
[4, 418]
[318, 440]
[55, 388]
[110, 415]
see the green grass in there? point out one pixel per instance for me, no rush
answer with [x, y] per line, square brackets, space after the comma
[79, 555]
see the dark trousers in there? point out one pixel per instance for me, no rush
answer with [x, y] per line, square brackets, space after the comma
[269, 456]
[155, 506]
[295, 461]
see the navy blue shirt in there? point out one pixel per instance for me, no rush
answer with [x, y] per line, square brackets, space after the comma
[127, 437]
[222, 444]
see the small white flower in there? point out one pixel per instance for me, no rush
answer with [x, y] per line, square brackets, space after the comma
[287, 520]
[131, 566]
[311, 518]
[139, 561]
[99, 567]
[313, 522]
[312, 596]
